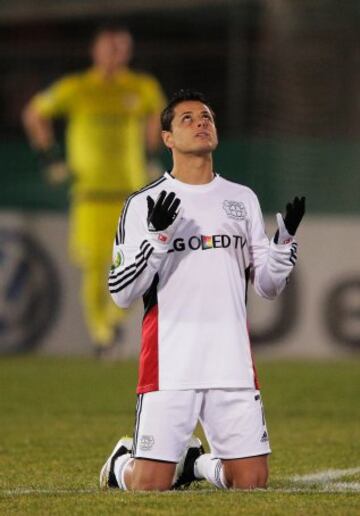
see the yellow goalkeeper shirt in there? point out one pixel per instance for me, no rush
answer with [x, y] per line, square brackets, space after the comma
[106, 123]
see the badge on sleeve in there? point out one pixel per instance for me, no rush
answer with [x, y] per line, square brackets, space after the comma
[118, 260]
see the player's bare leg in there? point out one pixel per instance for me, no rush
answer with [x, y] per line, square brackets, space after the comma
[149, 475]
[249, 473]
[122, 471]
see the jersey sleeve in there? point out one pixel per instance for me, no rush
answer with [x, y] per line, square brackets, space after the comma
[137, 256]
[58, 99]
[271, 264]
[154, 97]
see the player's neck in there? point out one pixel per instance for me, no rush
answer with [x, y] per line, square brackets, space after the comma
[108, 72]
[195, 170]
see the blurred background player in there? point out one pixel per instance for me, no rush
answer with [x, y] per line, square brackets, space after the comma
[112, 116]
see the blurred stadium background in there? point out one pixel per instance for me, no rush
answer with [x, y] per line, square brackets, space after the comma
[284, 79]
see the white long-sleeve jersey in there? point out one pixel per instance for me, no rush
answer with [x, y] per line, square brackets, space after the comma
[194, 286]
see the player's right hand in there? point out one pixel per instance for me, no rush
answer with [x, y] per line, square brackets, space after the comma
[57, 173]
[163, 212]
[52, 164]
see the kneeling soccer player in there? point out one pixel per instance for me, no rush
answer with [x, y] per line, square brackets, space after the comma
[188, 244]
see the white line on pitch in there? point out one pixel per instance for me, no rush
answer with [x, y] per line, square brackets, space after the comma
[325, 476]
[324, 479]
[25, 491]
[331, 487]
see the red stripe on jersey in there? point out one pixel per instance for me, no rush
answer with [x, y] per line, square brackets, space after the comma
[149, 355]
[256, 378]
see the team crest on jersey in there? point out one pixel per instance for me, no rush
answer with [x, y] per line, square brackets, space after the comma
[235, 210]
[146, 442]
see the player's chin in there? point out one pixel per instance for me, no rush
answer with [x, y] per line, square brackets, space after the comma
[206, 147]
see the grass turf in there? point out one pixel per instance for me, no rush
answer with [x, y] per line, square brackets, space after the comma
[59, 419]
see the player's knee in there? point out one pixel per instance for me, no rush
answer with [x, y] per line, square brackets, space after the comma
[144, 480]
[248, 482]
[146, 484]
[251, 479]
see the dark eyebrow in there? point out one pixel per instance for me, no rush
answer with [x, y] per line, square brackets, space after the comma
[204, 111]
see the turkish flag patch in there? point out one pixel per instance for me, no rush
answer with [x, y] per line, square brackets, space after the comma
[162, 237]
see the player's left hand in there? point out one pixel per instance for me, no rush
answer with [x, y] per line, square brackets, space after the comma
[287, 226]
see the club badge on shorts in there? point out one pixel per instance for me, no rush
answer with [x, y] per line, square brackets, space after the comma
[146, 442]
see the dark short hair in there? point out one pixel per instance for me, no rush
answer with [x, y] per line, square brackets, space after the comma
[112, 28]
[167, 114]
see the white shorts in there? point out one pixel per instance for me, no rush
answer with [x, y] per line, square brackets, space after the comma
[233, 421]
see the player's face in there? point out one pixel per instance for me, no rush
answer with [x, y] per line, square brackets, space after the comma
[193, 129]
[112, 49]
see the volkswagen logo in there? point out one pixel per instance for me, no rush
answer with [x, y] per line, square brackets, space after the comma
[29, 292]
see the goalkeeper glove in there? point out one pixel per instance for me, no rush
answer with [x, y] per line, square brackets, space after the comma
[163, 215]
[288, 225]
[51, 162]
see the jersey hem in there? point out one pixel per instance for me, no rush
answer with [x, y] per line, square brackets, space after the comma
[186, 387]
[142, 389]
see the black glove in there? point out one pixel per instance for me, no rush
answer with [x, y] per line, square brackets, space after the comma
[288, 226]
[52, 163]
[163, 212]
[48, 157]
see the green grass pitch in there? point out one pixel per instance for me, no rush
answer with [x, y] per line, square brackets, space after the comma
[59, 419]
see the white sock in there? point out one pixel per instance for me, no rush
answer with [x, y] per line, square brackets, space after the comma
[119, 469]
[211, 470]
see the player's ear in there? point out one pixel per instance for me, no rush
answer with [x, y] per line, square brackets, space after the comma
[167, 137]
